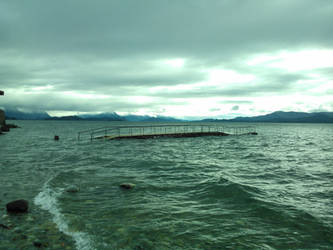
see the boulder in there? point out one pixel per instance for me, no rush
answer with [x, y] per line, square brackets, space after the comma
[18, 206]
[127, 185]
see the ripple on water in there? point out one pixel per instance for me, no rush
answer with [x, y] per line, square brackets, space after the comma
[267, 191]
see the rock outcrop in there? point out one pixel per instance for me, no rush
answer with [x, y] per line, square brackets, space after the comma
[2, 118]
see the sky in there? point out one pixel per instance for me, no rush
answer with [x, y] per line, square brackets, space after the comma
[181, 58]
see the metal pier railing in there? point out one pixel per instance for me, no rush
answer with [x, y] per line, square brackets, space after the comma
[152, 131]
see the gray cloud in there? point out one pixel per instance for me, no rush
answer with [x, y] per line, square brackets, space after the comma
[117, 48]
[235, 102]
[117, 27]
[268, 84]
[78, 104]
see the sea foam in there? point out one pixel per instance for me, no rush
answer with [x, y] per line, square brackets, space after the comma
[47, 199]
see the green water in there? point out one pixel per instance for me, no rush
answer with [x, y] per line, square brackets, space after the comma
[270, 191]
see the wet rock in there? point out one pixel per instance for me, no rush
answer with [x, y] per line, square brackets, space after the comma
[37, 244]
[12, 126]
[18, 206]
[72, 189]
[5, 128]
[17, 230]
[4, 226]
[127, 185]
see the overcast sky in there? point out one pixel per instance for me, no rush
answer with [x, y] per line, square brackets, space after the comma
[182, 58]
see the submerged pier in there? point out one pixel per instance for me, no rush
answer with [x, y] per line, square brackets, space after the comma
[169, 130]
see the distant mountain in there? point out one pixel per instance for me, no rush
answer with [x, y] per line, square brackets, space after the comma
[278, 116]
[291, 117]
[115, 117]
[15, 114]
[147, 118]
[65, 118]
[212, 120]
[161, 119]
[136, 118]
[103, 117]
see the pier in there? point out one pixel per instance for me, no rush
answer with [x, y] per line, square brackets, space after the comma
[168, 130]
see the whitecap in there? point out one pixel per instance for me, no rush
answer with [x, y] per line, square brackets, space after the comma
[47, 199]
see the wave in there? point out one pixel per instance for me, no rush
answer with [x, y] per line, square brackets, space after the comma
[47, 199]
[224, 188]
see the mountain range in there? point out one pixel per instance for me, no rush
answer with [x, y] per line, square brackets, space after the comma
[15, 114]
[281, 116]
[278, 116]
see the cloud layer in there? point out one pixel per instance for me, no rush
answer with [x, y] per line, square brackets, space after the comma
[180, 58]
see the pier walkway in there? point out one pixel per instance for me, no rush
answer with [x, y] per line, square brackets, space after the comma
[168, 130]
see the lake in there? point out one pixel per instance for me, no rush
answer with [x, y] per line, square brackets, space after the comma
[273, 190]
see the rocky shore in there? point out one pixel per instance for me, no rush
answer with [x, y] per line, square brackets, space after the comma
[4, 127]
[24, 226]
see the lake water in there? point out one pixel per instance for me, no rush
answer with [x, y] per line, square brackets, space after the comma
[270, 191]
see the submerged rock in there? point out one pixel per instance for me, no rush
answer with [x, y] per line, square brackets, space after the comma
[37, 244]
[72, 189]
[127, 185]
[4, 226]
[9, 125]
[18, 206]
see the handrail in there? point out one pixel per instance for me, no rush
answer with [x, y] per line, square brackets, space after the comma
[164, 129]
